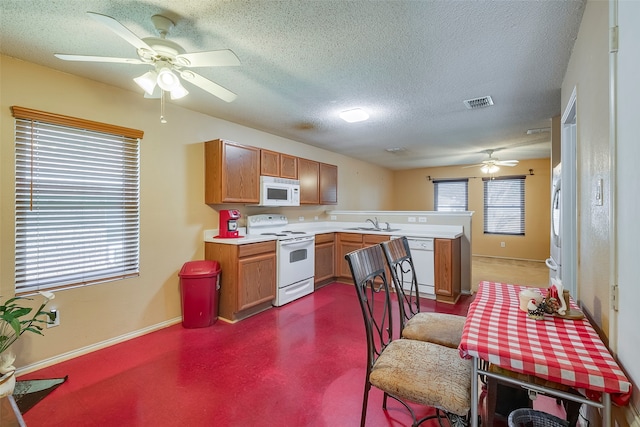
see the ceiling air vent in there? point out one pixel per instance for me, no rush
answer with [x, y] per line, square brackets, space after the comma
[472, 104]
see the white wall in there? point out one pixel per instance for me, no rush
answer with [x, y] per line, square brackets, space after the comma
[627, 176]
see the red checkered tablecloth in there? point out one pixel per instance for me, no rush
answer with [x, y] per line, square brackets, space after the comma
[561, 350]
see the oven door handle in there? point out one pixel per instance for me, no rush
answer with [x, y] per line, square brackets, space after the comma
[300, 242]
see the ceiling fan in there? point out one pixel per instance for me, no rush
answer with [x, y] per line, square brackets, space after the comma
[492, 164]
[167, 58]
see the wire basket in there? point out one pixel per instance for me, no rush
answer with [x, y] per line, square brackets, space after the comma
[531, 418]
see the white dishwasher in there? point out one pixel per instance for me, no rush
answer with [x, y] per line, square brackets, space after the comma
[422, 253]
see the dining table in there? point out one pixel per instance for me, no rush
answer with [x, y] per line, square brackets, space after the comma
[554, 348]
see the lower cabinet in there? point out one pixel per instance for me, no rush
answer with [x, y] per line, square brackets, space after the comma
[447, 269]
[324, 259]
[349, 242]
[345, 243]
[247, 278]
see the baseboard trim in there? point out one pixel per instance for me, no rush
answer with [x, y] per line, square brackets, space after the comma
[93, 347]
[507, 258]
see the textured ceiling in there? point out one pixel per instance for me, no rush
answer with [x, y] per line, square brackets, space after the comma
[410, 64]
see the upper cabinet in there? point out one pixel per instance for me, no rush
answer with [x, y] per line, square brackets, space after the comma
[277, 164]
[269, 163]
[318, 183]
[328, 184]
[232, 172]
[309, 176]
[288, 166]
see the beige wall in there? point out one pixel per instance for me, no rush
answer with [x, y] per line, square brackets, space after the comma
[173, 214]
[414, 191]
[588, 72]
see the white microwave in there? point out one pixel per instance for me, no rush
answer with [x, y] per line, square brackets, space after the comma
[279, 191]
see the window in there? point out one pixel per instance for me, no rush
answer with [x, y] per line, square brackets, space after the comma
[450, 195]
[77, 201]
[504, 205]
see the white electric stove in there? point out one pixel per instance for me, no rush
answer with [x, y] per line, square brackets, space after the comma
[295, 256]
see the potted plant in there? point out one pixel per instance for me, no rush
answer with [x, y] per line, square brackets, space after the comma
[15, 320]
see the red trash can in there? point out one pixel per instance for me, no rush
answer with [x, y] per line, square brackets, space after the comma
[199, 288]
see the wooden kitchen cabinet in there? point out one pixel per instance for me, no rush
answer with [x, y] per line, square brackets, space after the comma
[373, 239]
[328, 184]
[349, 242]
[324, 259]
[277, 164]
[288, 166]
[232, 172]
[269, 163]
[345, 243]
[447, 269]
[247, 278]
[309, 176]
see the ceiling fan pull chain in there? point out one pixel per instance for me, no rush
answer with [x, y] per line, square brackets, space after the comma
[162, 119]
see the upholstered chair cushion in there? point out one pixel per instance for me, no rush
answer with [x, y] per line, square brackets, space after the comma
[439, 328]
[425, 373]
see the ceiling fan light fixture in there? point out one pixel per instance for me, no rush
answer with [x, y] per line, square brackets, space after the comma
[147, 81]
[167, 80]
[489, 169]
[179, 92]
[354, 115]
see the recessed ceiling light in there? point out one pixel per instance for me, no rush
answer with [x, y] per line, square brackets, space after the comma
[355, 115]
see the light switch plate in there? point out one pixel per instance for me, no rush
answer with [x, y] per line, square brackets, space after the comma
[598, 195]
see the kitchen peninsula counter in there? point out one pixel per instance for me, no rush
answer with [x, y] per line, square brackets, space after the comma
[424, 231]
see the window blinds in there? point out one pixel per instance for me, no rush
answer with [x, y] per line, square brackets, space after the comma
[450, 195]
[504, 205]
[77, 205]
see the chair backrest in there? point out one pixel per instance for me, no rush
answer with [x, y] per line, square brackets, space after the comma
[368, 268]
[398, 256]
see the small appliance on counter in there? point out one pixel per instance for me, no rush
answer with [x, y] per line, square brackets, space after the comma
[228, 228]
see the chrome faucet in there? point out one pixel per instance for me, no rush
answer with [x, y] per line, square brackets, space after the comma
[374, 222]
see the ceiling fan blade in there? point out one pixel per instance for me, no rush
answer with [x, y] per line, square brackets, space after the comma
[213, 58]
[473, 166]
[121, 30]
[507, 162]
[89, 58]
[209, 86]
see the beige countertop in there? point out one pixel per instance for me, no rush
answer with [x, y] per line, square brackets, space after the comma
[409, 230]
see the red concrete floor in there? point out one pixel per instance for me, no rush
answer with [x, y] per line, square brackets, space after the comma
[302, 364]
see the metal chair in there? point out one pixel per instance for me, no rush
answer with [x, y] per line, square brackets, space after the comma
[405, 370]
[440, 328]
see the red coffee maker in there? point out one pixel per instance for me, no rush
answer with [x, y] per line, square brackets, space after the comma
[228, 228]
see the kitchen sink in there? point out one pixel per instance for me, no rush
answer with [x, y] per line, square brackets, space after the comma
[373, 229]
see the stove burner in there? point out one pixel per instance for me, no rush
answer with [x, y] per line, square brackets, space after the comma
[293, 232]
[272, 234]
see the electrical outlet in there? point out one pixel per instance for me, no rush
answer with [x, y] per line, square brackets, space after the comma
[503, 244]
[411, 219]
[315, 218]
[300, 218]
[56, 321]
[422, 219]
[333, 217]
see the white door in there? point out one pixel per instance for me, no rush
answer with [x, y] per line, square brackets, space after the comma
[555, 261]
